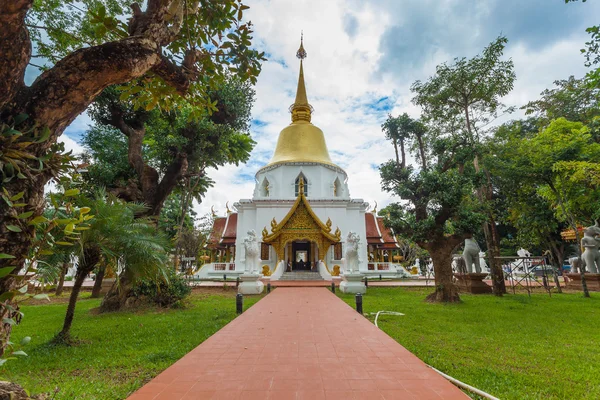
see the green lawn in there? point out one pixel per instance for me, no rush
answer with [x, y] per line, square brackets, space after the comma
[511, 347]
[119, 351]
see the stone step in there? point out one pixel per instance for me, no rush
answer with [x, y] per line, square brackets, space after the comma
[301, 276]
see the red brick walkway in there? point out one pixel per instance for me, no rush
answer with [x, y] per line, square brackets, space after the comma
[299, 343]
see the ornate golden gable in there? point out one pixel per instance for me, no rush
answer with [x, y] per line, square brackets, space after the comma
[301, 223]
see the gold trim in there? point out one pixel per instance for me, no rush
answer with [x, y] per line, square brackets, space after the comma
[301, 223]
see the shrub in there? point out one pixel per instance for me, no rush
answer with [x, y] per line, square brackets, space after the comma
[163, 293]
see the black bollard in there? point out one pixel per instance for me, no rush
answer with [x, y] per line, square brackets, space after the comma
[366, 282]
[269, 287]
[358, 299]
[239, 303]
[225, 277]
[237, 281]
[332, 287]
[379, 276]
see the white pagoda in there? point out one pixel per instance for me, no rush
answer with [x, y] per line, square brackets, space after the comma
[301, 211]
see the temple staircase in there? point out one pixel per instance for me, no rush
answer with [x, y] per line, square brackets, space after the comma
[301, 276]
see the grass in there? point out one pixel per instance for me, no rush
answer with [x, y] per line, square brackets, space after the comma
[512, 347]
[118, 352]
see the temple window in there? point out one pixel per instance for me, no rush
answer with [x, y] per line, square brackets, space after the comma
[264, 251]
[297, 185]
[337, 251]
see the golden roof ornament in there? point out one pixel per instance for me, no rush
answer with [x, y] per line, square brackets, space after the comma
[227, 207]
[273, 225]
[301, 110]
[301, 187]
[301, 141]
[301, 53]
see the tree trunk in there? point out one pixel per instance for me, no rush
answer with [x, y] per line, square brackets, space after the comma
[573, 223]
[154, 189]
[90, 259]
[395, 141]
[117, 295]
[61, 281]
[441, 255]
[98, 282]
[403, 152]
[485, 195]
[422, 151]
[491, 238]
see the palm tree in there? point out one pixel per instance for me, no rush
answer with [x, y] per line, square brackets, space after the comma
[115, 233]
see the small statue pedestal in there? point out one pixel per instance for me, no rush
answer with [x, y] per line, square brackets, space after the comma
[473, 283]
[353, 283]
[250, 284]
[592, 281]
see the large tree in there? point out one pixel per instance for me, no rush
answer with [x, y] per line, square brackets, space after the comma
[573, 99]
[519, 203]
[166, 151]
[559, 166]
[170, 48]
[464, 97]
[439, 209]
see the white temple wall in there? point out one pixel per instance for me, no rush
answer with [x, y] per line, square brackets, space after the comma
[282, 178]
[348, 215]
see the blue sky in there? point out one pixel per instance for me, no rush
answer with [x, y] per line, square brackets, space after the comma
[364, 55]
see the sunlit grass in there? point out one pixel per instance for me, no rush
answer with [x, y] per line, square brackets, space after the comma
[513, 347]
[118, 352]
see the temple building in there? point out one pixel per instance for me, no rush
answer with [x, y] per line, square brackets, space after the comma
[301, 211]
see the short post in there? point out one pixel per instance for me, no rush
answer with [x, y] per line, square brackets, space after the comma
[224, 277]
[379, 276]
[366, 282]
[269, 287]
[358, 299]
[332, 287]
[239, 303]
[237, 282]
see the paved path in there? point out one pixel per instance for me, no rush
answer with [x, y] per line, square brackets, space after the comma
[299, 343]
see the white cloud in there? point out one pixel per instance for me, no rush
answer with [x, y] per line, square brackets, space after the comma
[70, 144]
[344, 78]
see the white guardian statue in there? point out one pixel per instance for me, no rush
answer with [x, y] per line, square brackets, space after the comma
[252, 252]
[471, 255]
[351, 259]
[591, 245]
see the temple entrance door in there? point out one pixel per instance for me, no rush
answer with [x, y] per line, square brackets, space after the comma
[301, 255]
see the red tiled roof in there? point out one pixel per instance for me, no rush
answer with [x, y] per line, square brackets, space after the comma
[373, 235]
[217, 232]
[378, 234]
[229, 234]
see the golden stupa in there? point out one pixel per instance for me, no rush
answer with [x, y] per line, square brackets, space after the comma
[301, 141]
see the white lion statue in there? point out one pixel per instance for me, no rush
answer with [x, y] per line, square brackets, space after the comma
[591, 245]
[252, 252]
[351, 259]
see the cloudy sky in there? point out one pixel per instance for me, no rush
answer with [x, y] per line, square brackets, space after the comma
[364, 55]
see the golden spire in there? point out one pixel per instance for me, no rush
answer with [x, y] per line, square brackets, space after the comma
[301, 110]
[301, 141]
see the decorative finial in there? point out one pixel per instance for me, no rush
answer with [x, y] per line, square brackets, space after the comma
[212, 210]
[301, 187]
[227, 207]
[375, 209]
[301, 110]
[301, 53]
